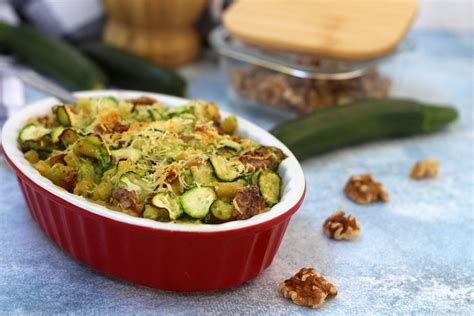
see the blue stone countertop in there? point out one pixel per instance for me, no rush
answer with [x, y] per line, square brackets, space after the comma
[414, 255]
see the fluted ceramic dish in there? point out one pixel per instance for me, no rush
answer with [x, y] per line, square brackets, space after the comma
[162, 255]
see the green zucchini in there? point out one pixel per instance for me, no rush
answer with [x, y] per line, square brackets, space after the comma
[52, 57]
[132, 72]
[135, 182]
[269, 184]
[32, 132]
[227, 143]
[126, 153]
[197, 201]
[68, 136]
[361, 121]
[222, 210]
[203, 174]
[92, 146]
[65, 116]
[168, 201]
[227, 169]
[56, 133]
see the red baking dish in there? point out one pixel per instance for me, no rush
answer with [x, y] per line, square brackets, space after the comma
[162, 255]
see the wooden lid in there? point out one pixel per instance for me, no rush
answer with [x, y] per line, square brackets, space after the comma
[344, 29]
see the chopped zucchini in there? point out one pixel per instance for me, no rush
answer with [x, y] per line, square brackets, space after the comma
[197, 201]
[226, 190]
[68, 136]
[33, 132]
[269, 184]
[56, 133]
[175, 111]
[135, 182]
[168, 201]
[203, 174]
[227, 143]
[126, 153]
[227, 169]
[65, 116]
[93, 146]
[222, 210]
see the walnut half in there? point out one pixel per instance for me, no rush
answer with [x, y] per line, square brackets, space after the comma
[339, 227]
[306, 288]
[363, 189]
[425, 168]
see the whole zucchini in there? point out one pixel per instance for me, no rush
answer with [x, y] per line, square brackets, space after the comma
[132, 72]
[51, 56]
[361, 121]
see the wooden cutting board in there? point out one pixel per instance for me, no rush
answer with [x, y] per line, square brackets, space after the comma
[345, 29]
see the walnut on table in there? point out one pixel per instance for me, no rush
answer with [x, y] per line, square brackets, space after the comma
[425, 168]
[306, 288]
[338, 226]
[363, 189]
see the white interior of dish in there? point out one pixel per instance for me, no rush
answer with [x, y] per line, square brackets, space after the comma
[290, 170]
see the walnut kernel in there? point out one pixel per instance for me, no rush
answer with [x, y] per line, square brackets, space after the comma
[425, 168]
[363, 189]
[306, 288]
[339, 227]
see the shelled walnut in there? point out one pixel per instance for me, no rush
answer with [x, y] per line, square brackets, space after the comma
[363, 189]
[338, 226]
[425, 168]
[306, 288]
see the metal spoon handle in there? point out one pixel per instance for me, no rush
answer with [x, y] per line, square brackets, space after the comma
[34, 79]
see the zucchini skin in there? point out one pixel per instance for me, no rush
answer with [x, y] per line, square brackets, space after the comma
[361, 121]
[132, 72]
[52, 57]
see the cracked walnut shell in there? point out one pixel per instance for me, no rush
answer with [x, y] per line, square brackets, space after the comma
[339, 227]
[306, 288]
[363, 189]
[425, 168]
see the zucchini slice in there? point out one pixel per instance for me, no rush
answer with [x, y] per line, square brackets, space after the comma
[222, 210]
[126, 153]
[227, 143]
[56, 133]
[93, 146]
[68, 136]
[169, 202]
[33, 132]
[65, 116]
[197, 201]
[175, 111]
[135, 182]
[269, 183]
[227, 169]
[203, 174]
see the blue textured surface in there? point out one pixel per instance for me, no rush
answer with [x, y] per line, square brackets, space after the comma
[415, 253]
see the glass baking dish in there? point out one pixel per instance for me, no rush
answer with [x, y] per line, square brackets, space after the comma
[284, 82]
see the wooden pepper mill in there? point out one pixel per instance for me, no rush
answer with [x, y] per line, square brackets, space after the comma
[160, 30]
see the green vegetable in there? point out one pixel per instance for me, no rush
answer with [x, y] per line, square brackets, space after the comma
[126, 153]
[203, 174]
[168, 201]
[68, 136]
[64, 115]
[132, 72]
[197, 201]
[222, 210]
[227, 143]
[227, 169]
[51, 56]
[269, 183]
[56, 133]
[33, 132]
[360, 121]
